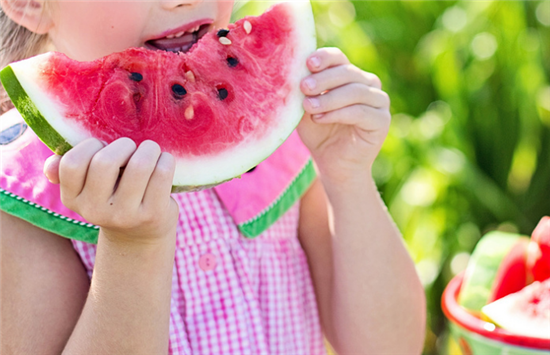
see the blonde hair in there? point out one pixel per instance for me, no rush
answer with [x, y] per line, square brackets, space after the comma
[16, 43]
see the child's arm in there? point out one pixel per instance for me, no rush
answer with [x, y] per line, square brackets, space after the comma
[45, 308]
[128, 306]
[370, 298]
[44, 287]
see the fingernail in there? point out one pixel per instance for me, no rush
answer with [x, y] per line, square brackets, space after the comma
[309, 83]
[50, 160]
[47, 163]
[318, 116]
[314, 102]
[315, 62]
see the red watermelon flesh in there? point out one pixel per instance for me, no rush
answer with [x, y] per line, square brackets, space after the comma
[512, 271]
[539, 250]
[496, 268]
[526, 312]
[219, 109]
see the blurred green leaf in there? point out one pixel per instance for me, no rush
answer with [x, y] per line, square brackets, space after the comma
[469, 147]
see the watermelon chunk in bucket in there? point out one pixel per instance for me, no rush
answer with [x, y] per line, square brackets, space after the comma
[526, 312]
[220, 108]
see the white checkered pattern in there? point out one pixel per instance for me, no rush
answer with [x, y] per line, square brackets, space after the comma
[258, 299]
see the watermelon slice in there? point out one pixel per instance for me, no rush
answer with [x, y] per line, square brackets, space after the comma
[539, 251]
[220, 109]
[497, 268]
[526, 312]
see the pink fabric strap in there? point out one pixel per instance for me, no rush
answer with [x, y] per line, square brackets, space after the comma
[248, 196]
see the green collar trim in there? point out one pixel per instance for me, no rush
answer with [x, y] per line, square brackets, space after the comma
[86, 232]
[47, 219]
[258, 224]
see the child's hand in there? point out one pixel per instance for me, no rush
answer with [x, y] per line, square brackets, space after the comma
[347, 117]
[133, 208]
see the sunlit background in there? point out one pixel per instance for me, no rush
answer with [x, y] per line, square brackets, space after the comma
[469, 147]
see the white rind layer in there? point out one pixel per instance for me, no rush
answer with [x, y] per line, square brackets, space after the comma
[234, 162]
[204, 170]
[28, 72]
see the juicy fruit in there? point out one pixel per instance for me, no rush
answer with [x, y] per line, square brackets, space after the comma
[539, 251]
[220, 109]
[526, 312]
[497, 268]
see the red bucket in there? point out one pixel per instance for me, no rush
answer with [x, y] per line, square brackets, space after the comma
[476, 336]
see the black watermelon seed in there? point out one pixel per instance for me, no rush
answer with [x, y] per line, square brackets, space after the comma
[179, 90]
[251, 170]
[222, 93]
[136, 77]
[223, 33]
[232, 62]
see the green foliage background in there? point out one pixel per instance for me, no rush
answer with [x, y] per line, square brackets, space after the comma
[469, 147]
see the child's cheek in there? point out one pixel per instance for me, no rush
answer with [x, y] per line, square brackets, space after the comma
[225, 8]
[87, 30]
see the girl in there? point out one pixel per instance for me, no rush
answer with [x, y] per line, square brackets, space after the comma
[172, 273]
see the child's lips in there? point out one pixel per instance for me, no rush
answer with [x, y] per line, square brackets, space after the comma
[179, 42]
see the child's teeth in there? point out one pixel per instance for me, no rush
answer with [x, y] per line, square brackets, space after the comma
[179, 34]
[170, 36]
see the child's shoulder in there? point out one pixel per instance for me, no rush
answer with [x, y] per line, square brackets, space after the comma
[25, 191]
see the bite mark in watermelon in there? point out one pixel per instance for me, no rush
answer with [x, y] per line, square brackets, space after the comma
[220, 109]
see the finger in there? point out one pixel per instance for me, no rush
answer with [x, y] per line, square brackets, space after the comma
[51, 168]
[160, 185]
[136, 176]
[346, 95]
[365, 117]
[338, 76]
[325, 58]
[73, 167]
[104, 169]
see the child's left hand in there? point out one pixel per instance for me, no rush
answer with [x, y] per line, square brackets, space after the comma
[347, 117]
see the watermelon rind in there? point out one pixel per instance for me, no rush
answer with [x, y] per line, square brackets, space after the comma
[483, 267]
[192, 173]
[31, 113]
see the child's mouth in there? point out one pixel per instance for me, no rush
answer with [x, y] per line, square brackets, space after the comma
[179, 42]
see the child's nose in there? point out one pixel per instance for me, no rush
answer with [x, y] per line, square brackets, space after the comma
[171, 4]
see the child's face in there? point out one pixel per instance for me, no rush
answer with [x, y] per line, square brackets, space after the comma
[90, 29]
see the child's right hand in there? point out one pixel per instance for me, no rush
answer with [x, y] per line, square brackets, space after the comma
[135, 208]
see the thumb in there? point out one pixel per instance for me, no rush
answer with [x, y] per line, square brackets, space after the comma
[51, 168]
[312, 133]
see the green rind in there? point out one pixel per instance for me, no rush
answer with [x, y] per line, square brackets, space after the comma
[31, 114]
[254, 227]
[47, 219]
[483, 267]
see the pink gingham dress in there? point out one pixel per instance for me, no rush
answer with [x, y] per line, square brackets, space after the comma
[230, 294]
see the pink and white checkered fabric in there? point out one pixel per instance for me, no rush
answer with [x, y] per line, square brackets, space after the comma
[232, 295]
